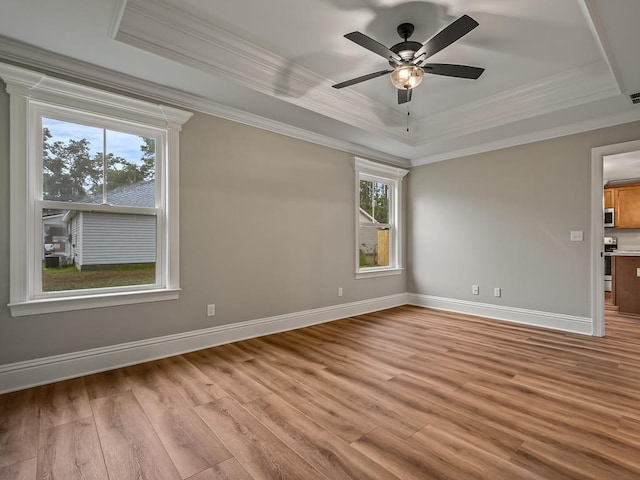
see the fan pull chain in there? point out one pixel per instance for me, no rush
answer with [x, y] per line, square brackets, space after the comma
[408, 114]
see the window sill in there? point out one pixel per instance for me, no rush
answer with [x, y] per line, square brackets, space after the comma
[378, 272]
[66, 304]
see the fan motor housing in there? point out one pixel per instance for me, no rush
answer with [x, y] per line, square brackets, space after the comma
[405, 50]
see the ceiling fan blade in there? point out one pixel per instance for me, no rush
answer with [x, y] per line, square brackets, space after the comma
[363, 78]
[449, 70]
[404, 96]
[373, 46]
[445, 37]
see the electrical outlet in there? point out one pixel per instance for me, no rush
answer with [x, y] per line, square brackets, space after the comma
[475, 289]
[497, 292]
[339, 291]
[211, 310]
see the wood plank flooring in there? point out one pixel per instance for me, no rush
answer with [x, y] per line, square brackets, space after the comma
[406, 393]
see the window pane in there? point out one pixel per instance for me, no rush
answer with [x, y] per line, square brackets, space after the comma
[72, 160]
[374, 246]
[131, 168]
[374, 201]
[97, 250]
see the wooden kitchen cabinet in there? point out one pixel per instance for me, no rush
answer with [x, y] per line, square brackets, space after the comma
[627, 205]
[609, 197]
[627, 284]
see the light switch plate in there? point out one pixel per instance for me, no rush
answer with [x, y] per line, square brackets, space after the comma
[577, 236]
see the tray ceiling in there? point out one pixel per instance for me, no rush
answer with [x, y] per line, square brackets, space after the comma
[552, 67]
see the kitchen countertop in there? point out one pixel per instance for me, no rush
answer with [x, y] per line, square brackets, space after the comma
[626, 253]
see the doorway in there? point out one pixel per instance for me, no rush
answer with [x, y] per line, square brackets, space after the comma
[599, 157]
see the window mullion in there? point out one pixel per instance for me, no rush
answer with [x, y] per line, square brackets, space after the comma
[104, 165]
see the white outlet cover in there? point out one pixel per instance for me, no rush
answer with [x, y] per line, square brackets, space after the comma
[577, 236]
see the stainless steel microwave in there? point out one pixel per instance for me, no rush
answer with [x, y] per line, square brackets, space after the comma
[609, 217]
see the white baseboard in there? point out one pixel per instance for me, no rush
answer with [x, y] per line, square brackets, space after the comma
[556, 321]
[20, 375]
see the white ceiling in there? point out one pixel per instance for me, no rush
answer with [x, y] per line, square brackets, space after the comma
[622, 167]
[553, 67]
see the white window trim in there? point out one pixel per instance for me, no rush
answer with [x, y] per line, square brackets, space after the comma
[26, 89]
[394, 175]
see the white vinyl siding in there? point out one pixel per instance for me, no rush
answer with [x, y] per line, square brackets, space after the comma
[113, 239]
[76, 239]
[368, 237]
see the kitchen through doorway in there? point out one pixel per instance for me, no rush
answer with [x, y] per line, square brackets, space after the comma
[615, 231]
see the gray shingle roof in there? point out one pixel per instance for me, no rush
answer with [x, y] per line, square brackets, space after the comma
[142, 194]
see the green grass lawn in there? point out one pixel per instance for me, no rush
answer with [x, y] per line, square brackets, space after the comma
[70, 278]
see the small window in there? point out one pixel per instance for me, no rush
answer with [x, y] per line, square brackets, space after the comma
[378, 214]
[94, 194]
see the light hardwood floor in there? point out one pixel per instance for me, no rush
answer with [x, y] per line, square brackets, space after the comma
[406, 393]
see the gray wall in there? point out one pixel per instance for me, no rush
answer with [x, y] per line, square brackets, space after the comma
[266, 227]
[503, 219]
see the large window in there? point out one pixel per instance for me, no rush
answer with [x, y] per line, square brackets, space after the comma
[378, 215]
[94, 196]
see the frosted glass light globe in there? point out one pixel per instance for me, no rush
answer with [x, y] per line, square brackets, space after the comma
[407, 77]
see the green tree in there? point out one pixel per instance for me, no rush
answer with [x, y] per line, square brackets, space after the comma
[70, 173]
[148, 167]
[374, 199]
[120, 173]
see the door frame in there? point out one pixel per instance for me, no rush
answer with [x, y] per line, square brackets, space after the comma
[597, 229]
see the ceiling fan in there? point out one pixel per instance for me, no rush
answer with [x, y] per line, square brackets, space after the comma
[408, 59]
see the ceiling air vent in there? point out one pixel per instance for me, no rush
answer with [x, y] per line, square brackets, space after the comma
[635, 97]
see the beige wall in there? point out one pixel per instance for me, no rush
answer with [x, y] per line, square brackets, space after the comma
[266, 228]
[503, 219]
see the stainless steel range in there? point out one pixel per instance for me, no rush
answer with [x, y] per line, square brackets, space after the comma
[610, 244]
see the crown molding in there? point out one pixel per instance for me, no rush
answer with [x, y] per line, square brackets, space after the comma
[176, 33]
[116, 18]
[592, 15]
[561, 131]
[374, 168]
[44, 88]
[21, 54]
[567, 89]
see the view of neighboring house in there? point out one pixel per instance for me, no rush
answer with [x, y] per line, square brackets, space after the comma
[368, 237]
[90, 239]
[374, 241]
[56, 238]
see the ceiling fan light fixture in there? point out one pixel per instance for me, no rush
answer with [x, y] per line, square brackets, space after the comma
[407, 77]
